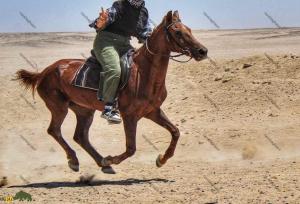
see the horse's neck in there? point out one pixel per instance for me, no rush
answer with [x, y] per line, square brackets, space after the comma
[155, 70]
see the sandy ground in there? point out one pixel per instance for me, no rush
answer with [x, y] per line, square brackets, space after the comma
[240, 126]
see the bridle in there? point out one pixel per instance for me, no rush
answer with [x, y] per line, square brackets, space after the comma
[169, 38]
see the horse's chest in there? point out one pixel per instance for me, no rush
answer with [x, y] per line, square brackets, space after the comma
[145, 103]
[149, 104]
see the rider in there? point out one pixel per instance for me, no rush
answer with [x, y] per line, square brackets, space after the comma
[115, 27]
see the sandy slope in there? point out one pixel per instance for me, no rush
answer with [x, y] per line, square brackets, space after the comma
[240, 126]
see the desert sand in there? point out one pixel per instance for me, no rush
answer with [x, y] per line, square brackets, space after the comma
[238, 113]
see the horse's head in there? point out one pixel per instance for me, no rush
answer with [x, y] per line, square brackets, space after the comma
[181, 39]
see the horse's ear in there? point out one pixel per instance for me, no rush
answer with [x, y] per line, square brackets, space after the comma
[169, 18]
[176, 16]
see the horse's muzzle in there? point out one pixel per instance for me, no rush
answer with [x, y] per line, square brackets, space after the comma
[203, 51]
[199, 53]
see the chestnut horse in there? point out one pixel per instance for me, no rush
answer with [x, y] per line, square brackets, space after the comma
[142, 97]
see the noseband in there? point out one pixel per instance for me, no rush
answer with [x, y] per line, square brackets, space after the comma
[169, 38]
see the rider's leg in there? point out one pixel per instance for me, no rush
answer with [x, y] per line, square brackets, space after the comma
[106, 50]
[110, 62]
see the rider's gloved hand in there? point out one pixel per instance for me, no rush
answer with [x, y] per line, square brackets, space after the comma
[102, 20]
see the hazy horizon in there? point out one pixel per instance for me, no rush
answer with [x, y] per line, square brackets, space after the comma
[270, 28]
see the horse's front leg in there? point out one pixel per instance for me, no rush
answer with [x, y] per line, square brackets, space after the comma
[159, 117]
[130, 125]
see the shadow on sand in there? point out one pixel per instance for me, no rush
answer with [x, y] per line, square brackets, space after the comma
[126, 182]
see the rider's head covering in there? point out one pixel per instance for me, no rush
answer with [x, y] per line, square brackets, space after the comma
[136, 3]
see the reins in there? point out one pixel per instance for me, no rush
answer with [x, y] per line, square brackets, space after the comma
[172, 57]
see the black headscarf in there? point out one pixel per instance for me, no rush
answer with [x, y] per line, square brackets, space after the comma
[136, 3]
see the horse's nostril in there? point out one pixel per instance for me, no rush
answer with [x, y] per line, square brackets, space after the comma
[203, 51]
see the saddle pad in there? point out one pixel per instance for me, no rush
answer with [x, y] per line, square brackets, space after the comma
[88, 75]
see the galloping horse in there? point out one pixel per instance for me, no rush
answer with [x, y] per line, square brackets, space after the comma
[142, 97]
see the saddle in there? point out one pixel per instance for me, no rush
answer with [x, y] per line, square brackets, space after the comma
[90, 74]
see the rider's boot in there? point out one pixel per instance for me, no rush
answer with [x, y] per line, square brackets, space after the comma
[111, 114]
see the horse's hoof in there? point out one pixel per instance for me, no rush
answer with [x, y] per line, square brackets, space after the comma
[158, 161]
[105, 162]
[108, 170]
[74, 167]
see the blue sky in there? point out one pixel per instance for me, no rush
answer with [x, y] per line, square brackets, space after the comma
[65, 15]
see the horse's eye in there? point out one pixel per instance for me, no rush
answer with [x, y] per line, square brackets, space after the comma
[178, 33]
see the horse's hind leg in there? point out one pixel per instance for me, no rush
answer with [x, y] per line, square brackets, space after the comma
[58, 107]
[84, 120]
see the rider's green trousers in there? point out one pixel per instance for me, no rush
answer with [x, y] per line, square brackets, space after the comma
[108, 48]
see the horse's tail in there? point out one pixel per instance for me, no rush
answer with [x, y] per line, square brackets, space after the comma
[32, 80]
[29, 80]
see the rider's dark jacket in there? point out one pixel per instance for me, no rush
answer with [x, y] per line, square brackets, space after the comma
[126, 20]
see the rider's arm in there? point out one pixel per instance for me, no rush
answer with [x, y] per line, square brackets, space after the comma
[144, 29]
[113, 14]
[107, 17]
